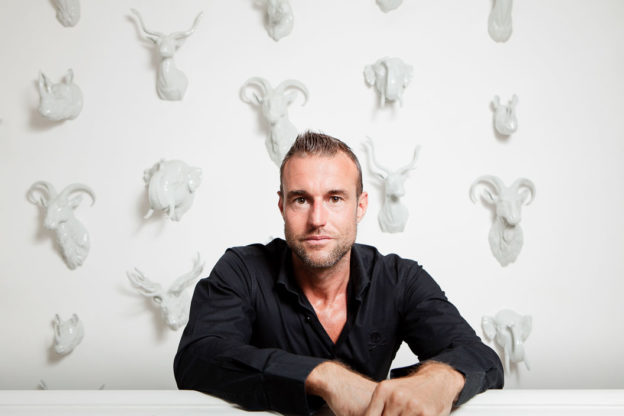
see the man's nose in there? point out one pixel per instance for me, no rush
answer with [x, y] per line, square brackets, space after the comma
[318, 214]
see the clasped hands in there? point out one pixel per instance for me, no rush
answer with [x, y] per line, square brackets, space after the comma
[431, 390]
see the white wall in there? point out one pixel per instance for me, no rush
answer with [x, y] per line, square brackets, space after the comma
[565, 61]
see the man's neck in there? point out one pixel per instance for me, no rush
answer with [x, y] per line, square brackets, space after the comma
[323, 285]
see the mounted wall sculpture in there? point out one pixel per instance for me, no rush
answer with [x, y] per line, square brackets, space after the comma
[390, 76]
[499, 22]
[393, 214]
[505, 121]
[279, 18]
[509, 329]
[67, 334]
[171, 187]
[274, 103]
[71, 235]
[387, 5]
[61, 101]
[67, 11]
[171, 84]
[506, 236]
[174, 303]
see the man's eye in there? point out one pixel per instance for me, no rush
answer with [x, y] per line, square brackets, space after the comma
[335, 199]
[300, 200]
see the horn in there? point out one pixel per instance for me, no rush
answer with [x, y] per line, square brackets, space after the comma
[295, 85]
[261, 83]
[523, 183]
[186, 34]
[147, 32]
[372, 162]
[77, 187]
[412, 164]
[491, 181]
[47, 192]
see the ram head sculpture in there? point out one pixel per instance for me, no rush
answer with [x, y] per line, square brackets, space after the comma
[171, 83]
[505, 121]
[394, 214]
[274, 103]
[509, 330]
[171, 187]
[71, 235]
[60, 101]
[174, 302]
[506, 236]
[67, 11]
[390, 76]
[67, 334]
[499, 22]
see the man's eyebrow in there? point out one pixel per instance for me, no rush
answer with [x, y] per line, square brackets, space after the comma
[337, 192]
[291, 194]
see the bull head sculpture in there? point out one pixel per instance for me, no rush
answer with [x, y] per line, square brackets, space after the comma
[509, 330]
[59, 101]
[67, 334]
[390, 76]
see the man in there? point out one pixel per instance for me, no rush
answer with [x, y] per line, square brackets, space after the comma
[288, 325]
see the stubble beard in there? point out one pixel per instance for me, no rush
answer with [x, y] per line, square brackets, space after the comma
[326, 262]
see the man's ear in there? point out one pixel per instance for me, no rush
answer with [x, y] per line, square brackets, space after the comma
[280, 203]
[362, 206]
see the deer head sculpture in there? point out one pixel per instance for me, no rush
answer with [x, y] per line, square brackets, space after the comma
[274, 103]
[393, 214]
[172, 83]
[59, 208]
[506, 236]
[67, 11]
[67, 334]
[505, 121]
[509, 330]
[59, 101]
[499, 22]
[390, 76]
[174, 302]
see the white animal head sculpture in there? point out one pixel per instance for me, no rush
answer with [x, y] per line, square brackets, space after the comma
[171, 84]
[174, 303]
[499, 22]
[59, 101]
[505, 237]
[505, 121]
[67, 11]
[393, 214]
[171, 187]
[279, 18]
[387, 5]
[71, 235]
[390, 76]
[509, 330]
[67, 334]
[274, 104]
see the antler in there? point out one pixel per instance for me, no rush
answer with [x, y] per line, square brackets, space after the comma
[147, 32]
[186, 279]
[295, 85]
[142, 284]
[258, 82]
[47, 192]
[411, 164]
[373, 165]
[186, 34]
[493, 182]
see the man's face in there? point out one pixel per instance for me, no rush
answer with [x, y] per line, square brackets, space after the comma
[320, 208]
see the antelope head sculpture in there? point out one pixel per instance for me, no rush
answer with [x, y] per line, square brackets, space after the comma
[393, 214]
[67, 334]
[274, 103]
[506, 236]
[61, 101]
[499, 22]
[71, 235]
[174, 302]
[172, 83]
[505, 121]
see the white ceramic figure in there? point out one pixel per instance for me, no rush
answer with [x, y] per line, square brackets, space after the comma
[274, 104]
[174, 303]
[505, 121]
[71, 235]
[509, 329]
[499, 22]
[279, 18]
[171, 84]
[390, 76]
[59, 101]
[505, 237]
[67, 334]
[171, 187]
[387, 5]
[393, 214]
[67, 11]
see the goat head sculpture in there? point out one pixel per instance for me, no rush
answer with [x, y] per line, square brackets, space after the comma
[172, 83]
[499, 22]
[171, 187]
[174, 302]
[506, 236]
[67, 11]
[390, 76]
[509, 330]
[279, 18]
[60, 101]
[393, 214]
[67, 334]
[505, 121]
[274, 103]
[387, 5]
[71, 235]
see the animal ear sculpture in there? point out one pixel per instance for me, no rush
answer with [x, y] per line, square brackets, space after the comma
[71, 235]
[390, 76]
[279, 18]
[67, 11]
[509, 330]
[273, 103]
[61, 101]
[499, 22]
[67, 334]
[505, 121]
[171, 83]
[393, 214]
[171, 187]
[387, 5]
[174, 303]
[506, 236]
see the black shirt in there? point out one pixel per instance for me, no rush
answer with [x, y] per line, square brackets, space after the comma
[253, 337]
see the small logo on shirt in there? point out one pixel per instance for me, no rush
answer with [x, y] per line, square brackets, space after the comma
[374, 340]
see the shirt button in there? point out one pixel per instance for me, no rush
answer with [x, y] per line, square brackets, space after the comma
[308, 318]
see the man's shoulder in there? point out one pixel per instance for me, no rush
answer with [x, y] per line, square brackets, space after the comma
[275, 248]
[371, 256]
